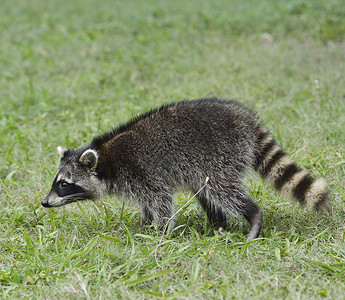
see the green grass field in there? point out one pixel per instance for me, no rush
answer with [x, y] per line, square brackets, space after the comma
[72, 69]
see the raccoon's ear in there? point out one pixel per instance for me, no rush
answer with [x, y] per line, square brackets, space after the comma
[89, 159]
[62, 151]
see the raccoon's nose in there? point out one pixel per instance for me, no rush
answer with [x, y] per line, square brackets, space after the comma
[45, 202]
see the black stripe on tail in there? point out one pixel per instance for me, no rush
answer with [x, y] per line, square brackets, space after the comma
[300, 190]
[289, 171]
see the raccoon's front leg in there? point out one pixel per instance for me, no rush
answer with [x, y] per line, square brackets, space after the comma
[157, 208]
[146, 215]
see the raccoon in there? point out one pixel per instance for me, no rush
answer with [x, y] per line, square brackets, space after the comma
[180, 145]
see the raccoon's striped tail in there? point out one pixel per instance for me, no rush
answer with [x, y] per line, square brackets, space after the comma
[275, 165]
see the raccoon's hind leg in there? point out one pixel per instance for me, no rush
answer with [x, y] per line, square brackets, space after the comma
[253, 214]
[227, 198]
[215, 215]
[246, 207]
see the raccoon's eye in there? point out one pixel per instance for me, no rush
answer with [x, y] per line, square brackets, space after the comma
[63, 184]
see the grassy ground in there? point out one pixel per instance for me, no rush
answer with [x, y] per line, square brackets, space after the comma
[71, 69]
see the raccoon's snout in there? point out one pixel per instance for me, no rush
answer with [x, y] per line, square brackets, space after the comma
[45, 202]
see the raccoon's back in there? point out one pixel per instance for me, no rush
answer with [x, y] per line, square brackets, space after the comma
[199, 135]
[208, 115]
[201, 130]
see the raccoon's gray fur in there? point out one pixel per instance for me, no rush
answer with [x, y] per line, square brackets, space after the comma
[180, 145]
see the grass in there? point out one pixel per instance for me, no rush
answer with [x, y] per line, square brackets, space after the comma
[70, 70]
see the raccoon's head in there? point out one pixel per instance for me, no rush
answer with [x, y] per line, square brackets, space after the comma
[76, 178]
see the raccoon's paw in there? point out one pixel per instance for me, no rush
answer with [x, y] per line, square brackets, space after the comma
[221, 231]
